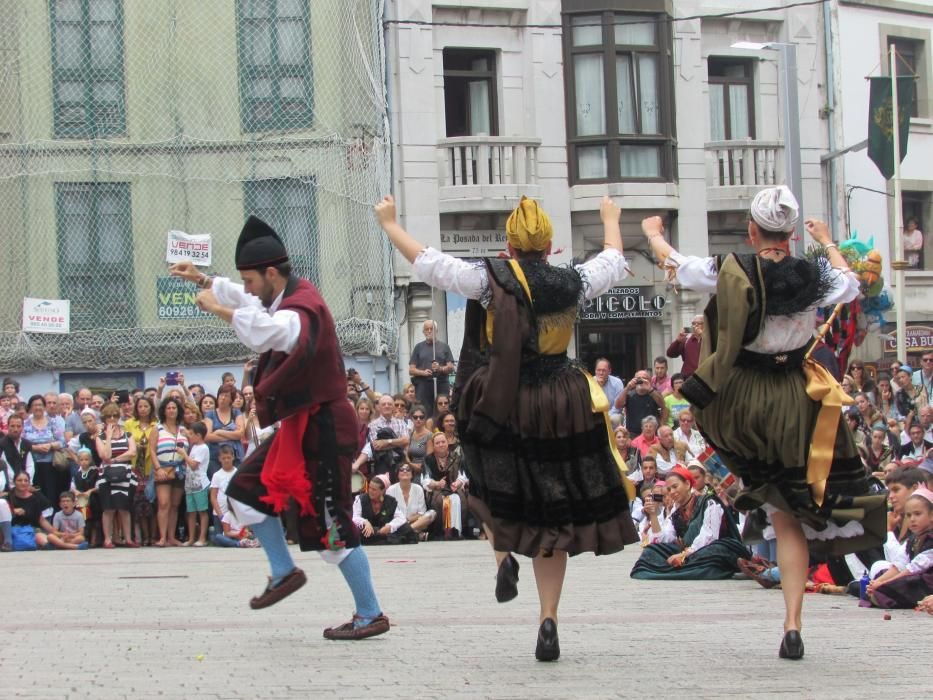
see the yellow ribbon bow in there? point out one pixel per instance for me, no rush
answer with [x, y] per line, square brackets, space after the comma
[823, 387]
[601, 405]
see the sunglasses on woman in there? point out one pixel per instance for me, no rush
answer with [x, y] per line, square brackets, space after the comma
[419, 417]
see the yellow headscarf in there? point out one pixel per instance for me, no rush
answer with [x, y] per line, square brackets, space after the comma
[528, 227]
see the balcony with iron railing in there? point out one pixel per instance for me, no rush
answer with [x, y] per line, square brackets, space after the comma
[737, 170]
[486, 173]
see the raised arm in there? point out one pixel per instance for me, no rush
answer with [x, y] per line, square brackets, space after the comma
[609, 214]
[698, 274]
[400, 238]
[432, 267]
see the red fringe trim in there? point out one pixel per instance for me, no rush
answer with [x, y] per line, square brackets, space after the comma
[285, 473]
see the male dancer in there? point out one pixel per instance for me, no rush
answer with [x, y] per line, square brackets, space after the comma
[301, 382]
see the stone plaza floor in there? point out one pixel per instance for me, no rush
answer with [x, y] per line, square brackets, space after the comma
[175, 623]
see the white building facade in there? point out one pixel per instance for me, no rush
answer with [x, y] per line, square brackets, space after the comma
[568, 101]
[863, 31]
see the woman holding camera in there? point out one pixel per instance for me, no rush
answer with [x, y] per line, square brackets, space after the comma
[698, 541]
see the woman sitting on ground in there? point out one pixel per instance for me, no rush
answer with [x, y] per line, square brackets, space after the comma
[28, 507]
[410, 496]
[699, 540]
[445, 487]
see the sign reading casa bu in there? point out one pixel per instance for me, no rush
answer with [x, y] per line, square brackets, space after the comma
[623, 302]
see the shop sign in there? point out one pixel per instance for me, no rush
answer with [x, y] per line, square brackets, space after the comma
[919, 339]
[623, 302]
[473, 244]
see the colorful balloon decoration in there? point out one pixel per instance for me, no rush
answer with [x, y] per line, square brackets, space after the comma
[865, 314]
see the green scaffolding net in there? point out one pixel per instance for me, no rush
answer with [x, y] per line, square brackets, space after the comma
[123, 120]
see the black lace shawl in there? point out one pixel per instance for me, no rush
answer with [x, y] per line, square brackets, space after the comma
[791, 285]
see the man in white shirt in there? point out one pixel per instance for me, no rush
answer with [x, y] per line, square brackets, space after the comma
[686, 433]
[300, 382]
[612, 386]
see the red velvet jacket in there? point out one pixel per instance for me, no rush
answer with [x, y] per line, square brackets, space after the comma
[313, 372]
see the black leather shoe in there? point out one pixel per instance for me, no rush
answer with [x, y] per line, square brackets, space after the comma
[791, 646]
[507, 580]
[548, 648]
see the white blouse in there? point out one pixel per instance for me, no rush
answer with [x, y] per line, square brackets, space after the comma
[415, 505]
[779, 333]
[709, 532]
[469, 279]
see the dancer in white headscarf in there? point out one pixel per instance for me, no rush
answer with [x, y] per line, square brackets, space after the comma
[765, 406]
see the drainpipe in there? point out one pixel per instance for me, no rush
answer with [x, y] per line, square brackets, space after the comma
[831, 113]
[388, 10]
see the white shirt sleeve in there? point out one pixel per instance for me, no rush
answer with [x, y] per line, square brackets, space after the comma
[603, 271]
[920, 563]
[232, 294]
[416, 503]
[398, 519]
[712, 519]
[451, 274]
[636, 510]
[29, 466]
[896, 552]
[668, 534]
[844, 286]
[358, 518]
[253, 324]
[698, 274]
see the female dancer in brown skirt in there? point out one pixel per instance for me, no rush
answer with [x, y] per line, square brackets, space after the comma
[544, 474]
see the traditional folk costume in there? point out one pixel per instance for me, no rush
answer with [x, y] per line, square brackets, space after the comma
[907, 591]
[762, 404]
[450, 506]
[543, 468]
[301, 383]
[913, 559]
[703, 526]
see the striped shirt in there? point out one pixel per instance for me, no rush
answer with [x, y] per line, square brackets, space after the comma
[167, 445]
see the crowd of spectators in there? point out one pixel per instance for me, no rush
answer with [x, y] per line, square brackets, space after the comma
[684, 507]
[87, 469]
[147, 467]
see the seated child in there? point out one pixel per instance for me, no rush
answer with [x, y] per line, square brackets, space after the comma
[905, 585]
[67, 525]
[901, 484]
[234, 534]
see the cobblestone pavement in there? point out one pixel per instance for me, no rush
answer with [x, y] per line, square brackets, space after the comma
[175, 623]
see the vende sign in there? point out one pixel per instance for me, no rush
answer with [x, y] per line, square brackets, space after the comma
[187, 247]
[919, 339]
[46, 315]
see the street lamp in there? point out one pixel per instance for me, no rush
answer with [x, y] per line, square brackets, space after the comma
[787, 77]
